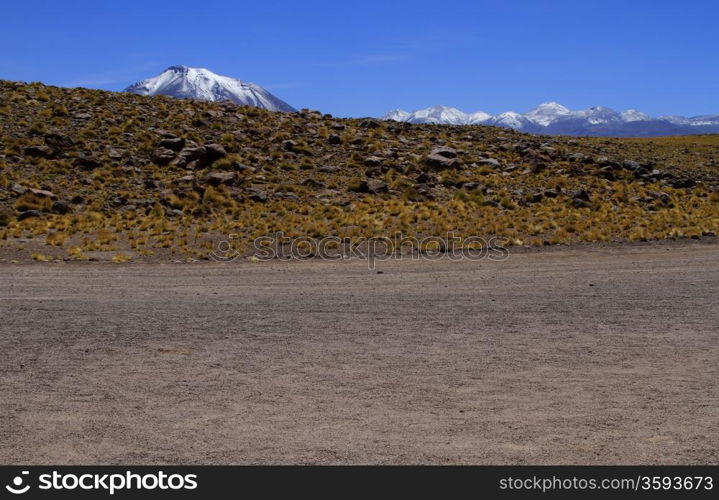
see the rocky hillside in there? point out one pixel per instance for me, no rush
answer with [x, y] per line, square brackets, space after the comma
[86, 173]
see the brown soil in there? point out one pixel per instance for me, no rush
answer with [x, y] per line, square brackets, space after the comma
[599, 355]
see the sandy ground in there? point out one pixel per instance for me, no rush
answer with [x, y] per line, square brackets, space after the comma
[590, 356]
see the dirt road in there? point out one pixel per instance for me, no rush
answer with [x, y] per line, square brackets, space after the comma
[591, 356]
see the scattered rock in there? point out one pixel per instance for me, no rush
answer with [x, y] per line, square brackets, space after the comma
[579, 203]
[491, 162]
[445, 152]
[194, 157]
[185, 179]
[40, 151]
[657, 174]
[174, 212]
[215, 152]
[634, 166]
[579, 157]
[6, 216]
[313, 183]
[607, 173]
[42, 193]
[27, 214]
[142, 202]
[373, 161]
[553, 193]
[58, 141]
[257, 195]
[369, 124]
[536, 166]
[116, 154]
[580, 194]
[217, 178]
[162, 156]
[471, 186]
[173, 143]
[683, 183]
[86, 163]
[118, 201]
[152, 184]
[242, 168]
[18, 189]
[438, 161]
[375, 186]
[287, 195]
[427, 178]
[61, 207]
[535, 197]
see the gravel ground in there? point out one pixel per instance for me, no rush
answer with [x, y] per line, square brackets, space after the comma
[596, 355]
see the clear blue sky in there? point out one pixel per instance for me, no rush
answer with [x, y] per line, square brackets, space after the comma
[366, 57]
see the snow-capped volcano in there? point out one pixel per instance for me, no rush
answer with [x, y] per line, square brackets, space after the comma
[202, 84]
[553, 118]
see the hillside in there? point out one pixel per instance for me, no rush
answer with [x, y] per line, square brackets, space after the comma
[86, 173]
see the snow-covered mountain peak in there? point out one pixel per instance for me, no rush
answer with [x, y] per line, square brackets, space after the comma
[633, 115]
[600, 114]
[547, 112]
[478, 117]
[439, 114]
[442, 113]
[202, 84]
[398, 115]
[510, 119]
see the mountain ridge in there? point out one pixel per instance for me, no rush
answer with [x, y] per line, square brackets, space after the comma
[555, 119]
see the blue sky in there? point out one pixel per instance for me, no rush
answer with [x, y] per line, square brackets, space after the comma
[365, 58]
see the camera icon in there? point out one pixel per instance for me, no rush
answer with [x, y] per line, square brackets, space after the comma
[224, 251]
[17, 484]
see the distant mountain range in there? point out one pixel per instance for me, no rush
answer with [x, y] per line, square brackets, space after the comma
[202, 84]
[547, 118]
[553, 118]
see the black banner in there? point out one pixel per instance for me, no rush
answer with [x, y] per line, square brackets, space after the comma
[219, 482]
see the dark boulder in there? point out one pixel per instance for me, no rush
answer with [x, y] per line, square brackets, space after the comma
[373, 161]
[40, 151]
[58, 141]
[173, 143]
[27, 214]
[215, 152]
[257, 195]
[86, 163]
[61, 207]
[162, 156]
[369, 124]
[217, 178]
[192, 157]
[437, 161]
[445, 152]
